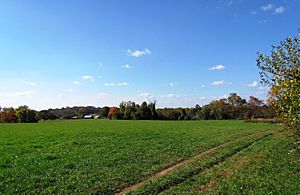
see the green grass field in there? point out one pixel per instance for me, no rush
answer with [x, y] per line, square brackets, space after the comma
[106, 157]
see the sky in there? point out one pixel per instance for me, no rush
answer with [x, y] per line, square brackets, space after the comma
[58, 53]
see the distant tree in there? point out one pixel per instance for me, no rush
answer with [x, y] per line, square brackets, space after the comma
[137, 112]
[81, 112]
[114, 113]
[8, 115]
[182, 115]
[145, 111]
[128, 110]
[195, 113]
[152, 107]
[45, 115]
[122, 107]
[205, 112]
[26, 115]
[254, 108]
[281, 71]
[236, 104]
[169, 113]
[104, 112]
[235, 100]
[134, 108]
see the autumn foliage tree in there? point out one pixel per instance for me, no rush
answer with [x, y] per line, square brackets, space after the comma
[8, 115]
[281, 71]
[113, 113]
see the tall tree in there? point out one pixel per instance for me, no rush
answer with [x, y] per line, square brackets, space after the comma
[104, 112]
[281, 71]
[26, 115]
[152, 106]
[236, 104]
[145, 111]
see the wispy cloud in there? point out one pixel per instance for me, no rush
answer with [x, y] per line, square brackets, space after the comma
[218, 67]
[271, 7]
[170, 95]
[16, 94]
[116, 84]
[279, 10]
[126, 66]
[102, 95]
[88, 77]
[224, 96]
[267, 7]
[29, 83]
[70, 90]
[145, 96]
[263, 88]
[76, 83]
[138, 53]
[217, 83]
[253, 84]
[172, 84]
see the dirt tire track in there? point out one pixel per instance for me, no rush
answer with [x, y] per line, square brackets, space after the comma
[184, 163]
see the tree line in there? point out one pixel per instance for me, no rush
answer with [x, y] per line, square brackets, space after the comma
[233, 107]
[21, 114]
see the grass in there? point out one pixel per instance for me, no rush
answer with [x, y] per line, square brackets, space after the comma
[102, 156]
[270, 166]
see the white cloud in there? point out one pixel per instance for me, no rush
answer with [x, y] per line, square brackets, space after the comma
[253, 12]
[138, 53]
[217, 83]
[224, 96]
[126, 66]
[263, 88]
[60, 95]
[16, 94]
[253, 84]
[70, 90]
[116, 84]
[279, 10]
[172, 84]
[88, 77]
[29, 83]
[144, 94]
[267, 7]
[170, 95]
[102, 95]
[218, 67]
[76, 83]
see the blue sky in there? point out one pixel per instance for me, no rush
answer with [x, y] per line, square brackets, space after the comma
[56, 53]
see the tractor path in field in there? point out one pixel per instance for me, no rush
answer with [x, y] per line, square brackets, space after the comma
[184, 163]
